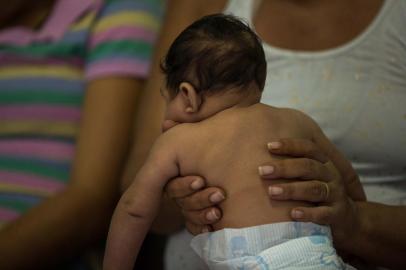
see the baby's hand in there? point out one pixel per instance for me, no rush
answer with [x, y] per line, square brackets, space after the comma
[197, 202]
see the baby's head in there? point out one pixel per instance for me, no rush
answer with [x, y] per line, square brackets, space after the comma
[216, 63]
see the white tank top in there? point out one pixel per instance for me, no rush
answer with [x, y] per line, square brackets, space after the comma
[356, 92]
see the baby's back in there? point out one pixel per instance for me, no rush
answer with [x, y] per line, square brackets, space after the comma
[227, 149]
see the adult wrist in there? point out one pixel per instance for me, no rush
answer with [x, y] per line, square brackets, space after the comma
[346, 229]
[356, 230]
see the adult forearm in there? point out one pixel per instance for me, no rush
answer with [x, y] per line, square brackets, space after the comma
[56, 230]
[381, 235]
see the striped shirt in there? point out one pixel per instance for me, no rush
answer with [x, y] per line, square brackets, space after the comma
[43, 74]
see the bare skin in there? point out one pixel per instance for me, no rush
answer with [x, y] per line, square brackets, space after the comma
[311, 25]
[212, 148]
[77, 218]
[290, 26]
[25, 13]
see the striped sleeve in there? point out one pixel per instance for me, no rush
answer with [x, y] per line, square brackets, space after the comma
[122, 38]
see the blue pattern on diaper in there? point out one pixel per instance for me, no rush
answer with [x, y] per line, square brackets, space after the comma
[309, 229]
[239, 246]
[293, 245]
[245, 260]
[330, 259]
[317, 239]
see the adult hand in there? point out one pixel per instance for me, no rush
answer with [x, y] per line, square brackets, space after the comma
[198, 203]
[315, 179]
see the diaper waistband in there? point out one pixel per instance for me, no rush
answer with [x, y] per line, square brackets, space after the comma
[260, 237]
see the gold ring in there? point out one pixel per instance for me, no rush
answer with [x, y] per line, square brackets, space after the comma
[327, 192]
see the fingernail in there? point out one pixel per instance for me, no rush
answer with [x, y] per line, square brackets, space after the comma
[265, 170]
[274, 145]
[216, 197]
[197, 184]
[297, 214]
[212, 215]
[275, 190]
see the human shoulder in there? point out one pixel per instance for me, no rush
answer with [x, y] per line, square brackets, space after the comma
[165, 152]
[271, 112]
[307, 124]
[296, 115]
[173, 137]
[296, 119]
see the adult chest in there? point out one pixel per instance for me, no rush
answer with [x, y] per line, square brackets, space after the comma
[312, 25]
[357, 96]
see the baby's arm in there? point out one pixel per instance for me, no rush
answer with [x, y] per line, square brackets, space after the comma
[139, 205]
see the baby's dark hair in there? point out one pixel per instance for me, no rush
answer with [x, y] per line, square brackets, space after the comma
[215, 53]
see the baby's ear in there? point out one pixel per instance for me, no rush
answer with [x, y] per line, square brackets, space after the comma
[191, 98]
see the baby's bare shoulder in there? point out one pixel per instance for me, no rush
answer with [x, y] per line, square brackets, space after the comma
[261, 112]
[280, 121]
[297, 120]
[177, 133]
[293, 115]
[182, 136]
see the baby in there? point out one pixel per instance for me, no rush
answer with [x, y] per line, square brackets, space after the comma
[215, 72]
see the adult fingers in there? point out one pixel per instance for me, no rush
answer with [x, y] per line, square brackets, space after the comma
[201, 199]
[197, 229]
[183, 186]
[295, 168]
[353, 185]
[309, 191]
[297, 148]
[203, 217]
[321, 215]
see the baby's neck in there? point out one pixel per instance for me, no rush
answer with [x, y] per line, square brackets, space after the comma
[230, 99]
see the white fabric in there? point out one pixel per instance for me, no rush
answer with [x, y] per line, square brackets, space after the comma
[356, 93]
[287, 245]
[179, 255]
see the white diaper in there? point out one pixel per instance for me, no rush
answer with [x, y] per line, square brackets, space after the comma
[286, 245]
